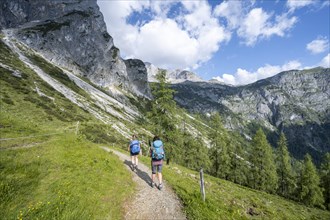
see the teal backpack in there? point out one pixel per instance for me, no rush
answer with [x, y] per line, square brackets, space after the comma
[157, 150]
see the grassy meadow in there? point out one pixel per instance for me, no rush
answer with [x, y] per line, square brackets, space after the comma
[227, 200]
[63, 178]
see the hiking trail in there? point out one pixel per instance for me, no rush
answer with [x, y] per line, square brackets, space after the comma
[148, 202]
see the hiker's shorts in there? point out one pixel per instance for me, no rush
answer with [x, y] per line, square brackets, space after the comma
[157, 168]
[134, 154]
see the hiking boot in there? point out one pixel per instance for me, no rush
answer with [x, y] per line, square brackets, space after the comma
[152, 184]
[160, 186]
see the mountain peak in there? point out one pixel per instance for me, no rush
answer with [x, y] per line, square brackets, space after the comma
[172, 76]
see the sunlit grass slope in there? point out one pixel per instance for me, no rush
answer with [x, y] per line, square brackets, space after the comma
[226, 200]
[48, 167]
[63, 178]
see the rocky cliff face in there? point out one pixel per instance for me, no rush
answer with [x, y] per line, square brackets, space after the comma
[72, 34]
[295, 102]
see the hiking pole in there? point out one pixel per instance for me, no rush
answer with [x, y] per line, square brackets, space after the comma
[202, 184]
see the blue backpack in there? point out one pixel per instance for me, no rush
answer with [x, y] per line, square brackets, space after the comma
[157, 150]
[135, 146]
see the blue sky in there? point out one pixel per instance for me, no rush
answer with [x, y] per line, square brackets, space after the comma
[236, 42]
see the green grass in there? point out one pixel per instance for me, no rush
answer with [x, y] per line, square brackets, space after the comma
[226, 200]
[65, 178]
[57, 74]
[25, 113]
[99, 133]
[46, 171]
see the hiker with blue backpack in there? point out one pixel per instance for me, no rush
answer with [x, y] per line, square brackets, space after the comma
[134, 149]
[157, 155]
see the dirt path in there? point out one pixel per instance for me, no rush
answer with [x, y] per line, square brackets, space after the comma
[149, 203]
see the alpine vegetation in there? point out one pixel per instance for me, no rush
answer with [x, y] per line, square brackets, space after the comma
[67, 94]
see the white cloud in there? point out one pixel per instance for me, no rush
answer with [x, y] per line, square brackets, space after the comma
[242, 76]
[295, 4]
[258, 24]
[253, 24]
[319, 45]
[183, 41]
[202, 26]
[232, 11]
[226, 78]
[292, 65]
[161, 8]
[325, 4]
[163, 40]
[325, 61]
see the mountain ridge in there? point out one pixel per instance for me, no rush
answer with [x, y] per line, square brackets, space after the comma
[285, 102]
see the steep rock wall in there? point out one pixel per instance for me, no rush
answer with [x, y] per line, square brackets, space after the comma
[72, 34]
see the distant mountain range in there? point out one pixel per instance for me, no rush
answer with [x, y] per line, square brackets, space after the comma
[295, 102]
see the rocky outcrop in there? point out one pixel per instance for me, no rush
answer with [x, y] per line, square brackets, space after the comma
[295, 102]
[289, 97]
[136, 73]
[71, 34]
[172, 76]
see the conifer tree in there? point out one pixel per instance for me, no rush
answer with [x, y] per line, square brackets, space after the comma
[219, 155]
[325, 179]
[163, 106]
[238, 165]
[310, 191]
[173, 145]
[162, 113]
[196, 153]
[263, 169]
[286, 181]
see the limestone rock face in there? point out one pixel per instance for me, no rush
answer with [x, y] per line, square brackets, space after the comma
[71, 34]
[172, 76]
[136, 73]
[295, 102]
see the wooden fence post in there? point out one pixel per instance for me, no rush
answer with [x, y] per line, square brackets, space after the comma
[77, 128]
[202, 184]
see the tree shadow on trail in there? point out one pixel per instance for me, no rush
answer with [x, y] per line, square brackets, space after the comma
[143, 175]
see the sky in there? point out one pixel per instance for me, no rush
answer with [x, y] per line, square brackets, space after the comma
[236, 42]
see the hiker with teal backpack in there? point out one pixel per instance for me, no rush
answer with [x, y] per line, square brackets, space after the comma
[134, 149]
[157, 155]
